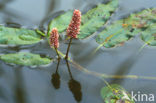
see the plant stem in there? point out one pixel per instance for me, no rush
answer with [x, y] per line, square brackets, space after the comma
[58, 59]
[57, 52]
[66, 57]
[105, 76]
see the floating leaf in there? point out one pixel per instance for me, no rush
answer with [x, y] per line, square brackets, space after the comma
[149, 35]
[61, 22]
[143, 19]
[91, 21]
[18, 36]
[96, 18]
[39, 32]
[122, 30]
[114, 35]
[115, 94]
[27, 59]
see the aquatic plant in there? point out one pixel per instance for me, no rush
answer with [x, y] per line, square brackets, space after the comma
[54, 40]
[73, 28]
[94, 23]
[113, 35]
[115, 94]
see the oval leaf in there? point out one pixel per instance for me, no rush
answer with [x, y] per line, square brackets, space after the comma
[115, 94]
[96, 18]
[122, 30]
[114, 35]
[143, 19]
[149, 35]
[26, 59]
[18, 36]
[91, 21]
[61, 22]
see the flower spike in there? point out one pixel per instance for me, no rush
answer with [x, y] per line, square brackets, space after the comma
[74, 26]
[53, 39]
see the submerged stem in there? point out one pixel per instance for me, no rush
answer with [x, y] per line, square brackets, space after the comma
[105, 76]
[66, 57]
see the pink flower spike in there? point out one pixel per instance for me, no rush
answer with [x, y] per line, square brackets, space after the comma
[74, 26]
[53, 39]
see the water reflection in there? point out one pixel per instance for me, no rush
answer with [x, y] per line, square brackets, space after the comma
[125, 67]
[56, 77]
[20, 96]
[74, 85]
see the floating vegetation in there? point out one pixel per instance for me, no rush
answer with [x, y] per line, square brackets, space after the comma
[114, 35]
[26, 59]
[115, 94]
[61, 22]
[91, 21]
[149, 35]
[96, 18]
[82, 27]
[18, 36]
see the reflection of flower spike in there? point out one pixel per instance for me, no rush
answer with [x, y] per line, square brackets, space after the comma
[53, 39]
[74, 26]
[74, 86]
[56, 80]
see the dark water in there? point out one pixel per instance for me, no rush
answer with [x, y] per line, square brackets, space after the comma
[20, 84]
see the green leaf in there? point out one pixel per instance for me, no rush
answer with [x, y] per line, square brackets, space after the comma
[143, 19]
[96, 18]
[91, 21]
[61, 22]
[26, 59]
[40, 32]
[18, 36]
[149, 35]
[122, 30]
[144, 22]
[114, 35]
[115, 94]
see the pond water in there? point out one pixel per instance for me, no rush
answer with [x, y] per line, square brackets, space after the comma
[21, 84]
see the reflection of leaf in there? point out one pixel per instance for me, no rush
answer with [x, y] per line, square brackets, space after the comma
[115, 94]
[61, 22]
[18, 36]
[75, 88]
[96, 18]
[27, 59]
[56, 80]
